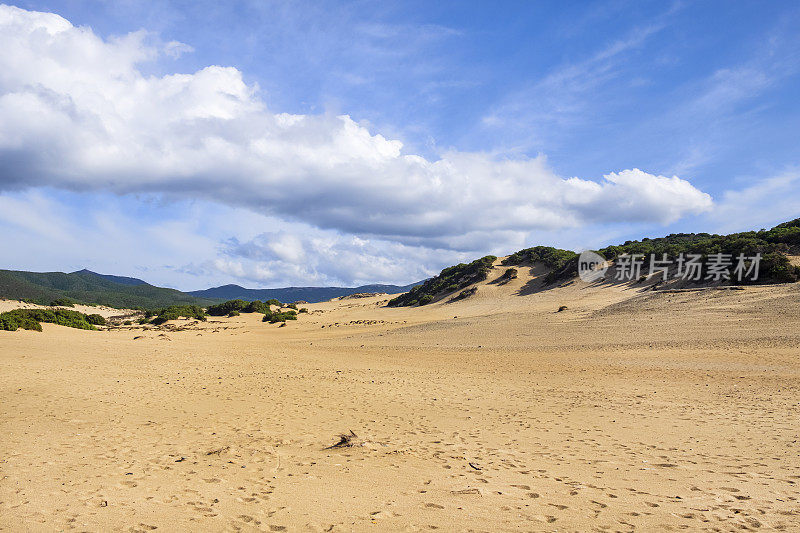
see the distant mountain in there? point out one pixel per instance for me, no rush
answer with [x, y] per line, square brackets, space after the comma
[293, 294]
[116, 279]
[89, 287]
[85, 286]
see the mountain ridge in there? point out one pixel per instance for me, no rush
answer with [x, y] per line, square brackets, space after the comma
[292, 294]
[86, 286]
[123, 280]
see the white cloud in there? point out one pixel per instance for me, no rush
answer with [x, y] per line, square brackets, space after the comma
[194, 244]
[744, 209]
[325, 257]
[77, 113]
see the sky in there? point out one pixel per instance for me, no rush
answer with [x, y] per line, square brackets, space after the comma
[194, 144]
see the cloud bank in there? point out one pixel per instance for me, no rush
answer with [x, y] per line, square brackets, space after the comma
[78, 112]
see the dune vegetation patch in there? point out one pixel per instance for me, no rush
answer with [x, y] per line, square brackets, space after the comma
[32, 319]
[466, 293]
[508, 275]
[562, 263]
[242, 306]
[175, 312]
[280, 316]
[449, 280]
[774, 245]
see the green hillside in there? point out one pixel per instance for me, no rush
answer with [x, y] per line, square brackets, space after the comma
[87, 287]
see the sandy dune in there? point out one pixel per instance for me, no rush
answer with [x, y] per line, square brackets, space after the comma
[629, 410]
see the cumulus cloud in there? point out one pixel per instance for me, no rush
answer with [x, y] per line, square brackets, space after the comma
[743, 210]
[320, 256]
[78, 113]
[194, 244]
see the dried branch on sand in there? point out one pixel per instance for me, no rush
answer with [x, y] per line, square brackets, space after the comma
[345, 441]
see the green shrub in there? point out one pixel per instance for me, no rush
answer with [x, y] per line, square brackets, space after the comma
[233, 313]
[508, 275]
[302, 310]
[176, 311]
[226, 307]
[292, 306]
[279, 316]
[31, 319]
[128, 322]
[426, 299]
[554, 258]
[62, 302]
[10, 322]
[97, 320]
[256, 306]
[772, 244]
[142, 321]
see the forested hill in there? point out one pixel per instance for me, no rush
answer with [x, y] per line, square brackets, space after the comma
[85, 286]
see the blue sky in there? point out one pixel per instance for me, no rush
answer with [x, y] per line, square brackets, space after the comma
[505, 116]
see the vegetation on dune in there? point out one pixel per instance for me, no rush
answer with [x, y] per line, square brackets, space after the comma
[554, 258]
[560, 262]
[466, 293]
[225, 308]
[234, 307]
[62, 302]
[773, 245]
[508, 275]
[174, 312]
[32, 318]
[449, 280]
[96, 320]
[279, 316]
[241, 306]
[257, 306]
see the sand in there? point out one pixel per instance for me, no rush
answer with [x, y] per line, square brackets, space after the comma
[629, 410]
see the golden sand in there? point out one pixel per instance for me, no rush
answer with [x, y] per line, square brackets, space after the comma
[629, 410]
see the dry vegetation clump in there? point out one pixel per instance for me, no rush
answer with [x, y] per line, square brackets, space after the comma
[346, 440]
[466, 293]
[508, 275]
[358, 295]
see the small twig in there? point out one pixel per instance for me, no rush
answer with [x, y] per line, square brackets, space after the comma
[345, 440]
